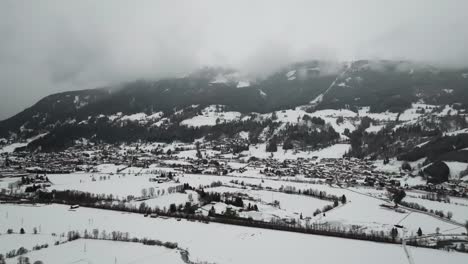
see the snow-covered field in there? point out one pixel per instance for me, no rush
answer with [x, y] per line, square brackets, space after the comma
[456, 168]
[363, 209]
[165, 201]
[207, 242]
[210, 116]
[102, 252]
[14, 241]
[11, 147]
[259, 151]
[459, 207]
[290, 205]
[119, 185]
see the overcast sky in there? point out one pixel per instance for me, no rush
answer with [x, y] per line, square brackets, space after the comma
[53, 46]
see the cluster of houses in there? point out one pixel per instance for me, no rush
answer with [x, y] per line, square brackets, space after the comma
[215, 160]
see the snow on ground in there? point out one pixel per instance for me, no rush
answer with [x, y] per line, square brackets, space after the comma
[236, 165]
[459, 210]
[334, 151]
[394, 165]
[109, 168]
[11, 148]
[134, 117]
[206, 242]
[243, 135]
[220, 78]
[374, 128]
[412, 181]
[210, 116]
[118, 185]
[262, 93]
[291, 75]
[386, 116]
[366, 212]
[243, 84]
[454, 133]
[137, 117]
[363, 210]
[294, 116]
[456, 168]
[259, 151]
[4, 182]
[447, 111]
[290, 205]
[416, 111]
[9, 242]
[102, 252]
[167, 200]
[121, 185]
[317, 99]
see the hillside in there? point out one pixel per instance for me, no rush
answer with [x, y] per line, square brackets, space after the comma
[383, 109]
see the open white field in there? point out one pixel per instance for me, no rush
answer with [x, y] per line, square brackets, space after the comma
[365, 211]
[9, 242]
[259, 151]
[361, 210]
[119, 185]
[165, 201]
[459, 209]
[219, 243]
[458, 206]
[103, 252]
[289, 204]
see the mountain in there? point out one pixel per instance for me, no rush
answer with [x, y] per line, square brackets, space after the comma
[383, 109]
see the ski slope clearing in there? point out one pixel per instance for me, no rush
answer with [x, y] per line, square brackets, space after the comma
[103, 252]
[207, 242]
[456, 168]
[210, 116]
[11, 147]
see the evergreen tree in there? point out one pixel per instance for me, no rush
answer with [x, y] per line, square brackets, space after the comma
[272, 145]
[394, 234]
[462, 247]
[172, 208]
[287, 144]
[419, 232]
[343, 199]
[212, 211]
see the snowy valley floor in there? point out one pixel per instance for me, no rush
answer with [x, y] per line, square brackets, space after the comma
[206, 242]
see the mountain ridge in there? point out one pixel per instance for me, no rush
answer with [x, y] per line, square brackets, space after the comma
[369, 104]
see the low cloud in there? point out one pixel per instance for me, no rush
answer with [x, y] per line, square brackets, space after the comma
[53, 46]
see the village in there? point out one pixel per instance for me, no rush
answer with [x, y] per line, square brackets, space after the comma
[316, 193]
[215, 158]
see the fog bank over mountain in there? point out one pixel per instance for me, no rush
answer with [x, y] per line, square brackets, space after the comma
[53, 46]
